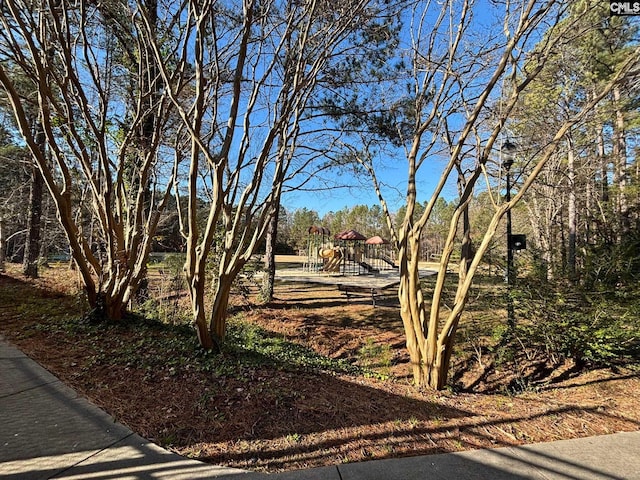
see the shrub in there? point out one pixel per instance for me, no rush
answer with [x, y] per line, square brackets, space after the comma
[588, 328]
[613, 264]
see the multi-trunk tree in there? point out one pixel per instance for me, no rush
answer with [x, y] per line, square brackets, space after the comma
[204, 98]
[242, 89]
[93, 108]
[454, 106]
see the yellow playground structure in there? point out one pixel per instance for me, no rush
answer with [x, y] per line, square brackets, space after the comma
[347, 253]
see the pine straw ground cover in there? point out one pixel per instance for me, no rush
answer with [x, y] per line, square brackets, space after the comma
[306, 381]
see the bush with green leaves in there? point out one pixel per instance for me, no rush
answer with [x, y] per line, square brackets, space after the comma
[613, 264]
[595, 328]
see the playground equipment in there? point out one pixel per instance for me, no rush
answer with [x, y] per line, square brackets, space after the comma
[380, 254]
[318, 239]
[353, 244]
[332, 258]
[348, 253]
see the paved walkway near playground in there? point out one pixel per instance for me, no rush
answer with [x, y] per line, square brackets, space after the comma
[48, 431]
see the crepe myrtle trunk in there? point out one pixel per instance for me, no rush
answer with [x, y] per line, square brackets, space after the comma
[218, 324]
[429, 339]
[412, 310]
[429, 366]
[211, 334]
[107, 307]
[197, 287]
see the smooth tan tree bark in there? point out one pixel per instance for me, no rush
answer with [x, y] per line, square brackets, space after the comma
[90, 130]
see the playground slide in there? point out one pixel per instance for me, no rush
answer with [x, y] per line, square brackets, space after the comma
[386, 259]
[368, 267]
[332, 259]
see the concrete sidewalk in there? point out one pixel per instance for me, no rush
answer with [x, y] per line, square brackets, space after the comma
[48, 431]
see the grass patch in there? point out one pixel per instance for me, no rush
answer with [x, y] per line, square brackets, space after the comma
[165, 349]
[376, 357]
[252, 343]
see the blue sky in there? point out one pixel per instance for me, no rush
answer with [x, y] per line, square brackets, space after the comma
[487, 20]
[362, 192]
[394, 173]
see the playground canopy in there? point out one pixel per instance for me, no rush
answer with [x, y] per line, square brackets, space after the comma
[376, 240]
[350, 235]
[379, 253]
[319, 231]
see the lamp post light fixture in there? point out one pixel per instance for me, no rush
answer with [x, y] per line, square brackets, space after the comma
[507, 154]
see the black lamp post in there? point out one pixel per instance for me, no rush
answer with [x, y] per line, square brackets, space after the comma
[507, 152]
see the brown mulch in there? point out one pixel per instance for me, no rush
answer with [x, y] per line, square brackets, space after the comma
[278, 418]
